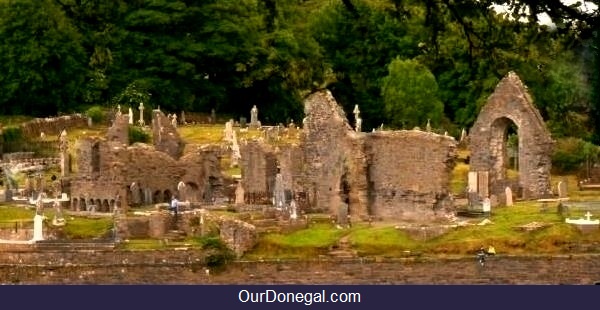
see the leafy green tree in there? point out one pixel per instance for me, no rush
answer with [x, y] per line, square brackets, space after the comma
[42, 62]
[358, 40]
[410, 95]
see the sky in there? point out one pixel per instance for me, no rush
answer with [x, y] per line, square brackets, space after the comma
[544, 19]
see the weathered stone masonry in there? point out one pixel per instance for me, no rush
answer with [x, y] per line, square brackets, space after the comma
[389, 175]
[111, 172]
[511, 104]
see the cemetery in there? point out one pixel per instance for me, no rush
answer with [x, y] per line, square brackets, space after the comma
[241, 193]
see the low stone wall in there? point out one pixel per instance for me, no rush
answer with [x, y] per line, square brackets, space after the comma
[187, 267]
[53, 126]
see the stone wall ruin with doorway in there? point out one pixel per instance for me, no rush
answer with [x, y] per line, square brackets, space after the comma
[399, 175]
[510, 104]
[111, 172]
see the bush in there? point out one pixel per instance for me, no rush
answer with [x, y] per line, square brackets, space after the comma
[570, 155]
[12, 134]
[136, 134]
[96, 113]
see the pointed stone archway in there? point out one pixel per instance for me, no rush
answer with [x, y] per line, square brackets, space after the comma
[509, 104]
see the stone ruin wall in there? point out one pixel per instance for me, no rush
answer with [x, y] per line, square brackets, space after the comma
[54, 125]
[259, 167]
[165, 136]
[332, 152]
[392, 175]
[511, 103]
[409, 174]
[108, 169]
[119, 131]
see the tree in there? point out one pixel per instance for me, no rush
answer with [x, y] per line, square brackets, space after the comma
[42, 62]
[410, 95]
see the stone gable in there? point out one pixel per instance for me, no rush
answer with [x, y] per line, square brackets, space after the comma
[511, 104]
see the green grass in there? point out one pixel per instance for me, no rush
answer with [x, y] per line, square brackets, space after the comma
[304, 243]
[458, 181]
[86, 228]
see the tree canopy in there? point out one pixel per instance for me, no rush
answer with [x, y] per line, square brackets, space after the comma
[60, 56]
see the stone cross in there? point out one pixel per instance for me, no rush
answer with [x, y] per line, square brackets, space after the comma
[64, 157]
[357, 119]
[141, 108]
[174, 120]
[588, 216]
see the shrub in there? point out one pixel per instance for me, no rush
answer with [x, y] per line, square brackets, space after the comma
[570, 155]
[12, 134]
[96, 113]
[137, 134]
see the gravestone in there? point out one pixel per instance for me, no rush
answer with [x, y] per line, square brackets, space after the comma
[278, 192]
[509, 196]
[254, 123]
[483, 183]
[235, 151]
[130, 116]
[487, 205]
[562, 189]
[64, 155]
[472, 182]
[182, 117]
[181, 191]
[228, 132]
[213, 116]
[239, 194]
[141, 109]
[243, 122]
[174, 120]
[293, 210]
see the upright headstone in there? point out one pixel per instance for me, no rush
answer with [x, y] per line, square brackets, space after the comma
[64, 155]
[141, 109]
[428, 126]
[243, 122]
[182, 117]
[213, 116]
[235, 151]
[239, 194]
[278, 192]
[182, 191]
[509, 196]
[254, 118]
[562, 189]
[174, 120]
[357, 119]
[228, 132]
[487, 205]
[472, 182]
[463, 136]
[130, 116]
[483, 187]
[293, 210]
